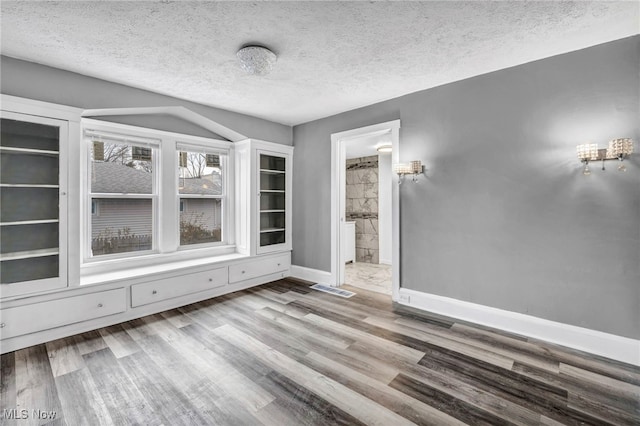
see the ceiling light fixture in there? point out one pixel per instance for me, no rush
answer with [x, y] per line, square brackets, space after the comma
[256, 60]
[384, 148]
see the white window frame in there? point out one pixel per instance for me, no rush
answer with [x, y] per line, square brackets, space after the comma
[225, 157]
[166, 238]
[91, 134]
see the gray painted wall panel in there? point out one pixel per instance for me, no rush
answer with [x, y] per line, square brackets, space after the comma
[35, 81]
[505, 218]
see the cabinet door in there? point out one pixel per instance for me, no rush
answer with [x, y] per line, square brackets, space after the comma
[274, 221]
[33, 204]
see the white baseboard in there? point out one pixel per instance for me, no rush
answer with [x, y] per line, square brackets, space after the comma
[385, 261]
[608, 345]
[313, 275]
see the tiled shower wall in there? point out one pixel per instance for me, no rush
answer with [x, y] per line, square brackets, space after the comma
[362, 205]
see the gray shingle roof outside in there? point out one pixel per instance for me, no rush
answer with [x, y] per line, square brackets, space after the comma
[115, 178]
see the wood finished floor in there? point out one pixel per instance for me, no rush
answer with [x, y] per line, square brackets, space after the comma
[283, 354]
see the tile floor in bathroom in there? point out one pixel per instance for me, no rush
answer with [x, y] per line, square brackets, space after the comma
[369, 276]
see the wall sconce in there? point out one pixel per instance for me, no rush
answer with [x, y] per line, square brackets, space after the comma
[413, 168]
[618, 149]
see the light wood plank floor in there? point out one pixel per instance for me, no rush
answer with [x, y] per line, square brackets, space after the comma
[283, 354]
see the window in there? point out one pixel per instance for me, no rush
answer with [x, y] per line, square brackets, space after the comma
[201, 192]
[154, 193]
[122, 188]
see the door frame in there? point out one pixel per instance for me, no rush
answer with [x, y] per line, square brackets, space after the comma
[338, 193]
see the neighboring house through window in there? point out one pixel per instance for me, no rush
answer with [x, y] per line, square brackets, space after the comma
[129, 188]
[122, 188]
[201, 192]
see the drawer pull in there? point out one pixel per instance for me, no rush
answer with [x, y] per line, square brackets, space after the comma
[2, 325]
[210, 279]
[154, 292]
[243, 272]
[100, 305]
[278, 264]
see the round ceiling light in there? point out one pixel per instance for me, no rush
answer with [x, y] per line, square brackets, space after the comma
[384, 148]
[256, 60]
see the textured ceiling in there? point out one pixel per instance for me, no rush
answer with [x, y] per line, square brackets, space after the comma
[332, 56]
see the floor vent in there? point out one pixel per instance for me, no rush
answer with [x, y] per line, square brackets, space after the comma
[333, 290]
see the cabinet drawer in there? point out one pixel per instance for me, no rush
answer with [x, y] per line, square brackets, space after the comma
[56, 313]
[167, 288]
[259, 267]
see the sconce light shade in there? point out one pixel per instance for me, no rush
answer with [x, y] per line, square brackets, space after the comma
[587, 151]
[412, 168]
[384, 148]
[620, 149]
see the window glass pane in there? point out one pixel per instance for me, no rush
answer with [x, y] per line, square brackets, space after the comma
[20, 204]
[121, 225]
[270, 162]
[22, 134]
[272, 201]
[200, 221]
[270, 238]
[121, 169]
[35, 236]
[35, 268]
[29, 169]
[200, 173]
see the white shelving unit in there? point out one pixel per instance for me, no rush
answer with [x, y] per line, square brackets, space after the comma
[272, 181]
[33, 208]
[266, 226]
[46, 295]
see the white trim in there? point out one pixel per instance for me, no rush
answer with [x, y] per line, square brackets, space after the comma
[596, 342]
[148, 133]
[175, 111]
[43, 109]
[313, 275]
[338, 173]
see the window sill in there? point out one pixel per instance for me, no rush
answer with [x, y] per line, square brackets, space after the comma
[100, 272]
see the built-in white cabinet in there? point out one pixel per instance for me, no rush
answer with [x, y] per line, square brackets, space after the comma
[33, 205]
[47, 293]
[266, 226]
[37, 317]
[179, 284]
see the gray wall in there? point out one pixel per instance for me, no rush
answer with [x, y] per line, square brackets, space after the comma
[35, 81]
[505, 218]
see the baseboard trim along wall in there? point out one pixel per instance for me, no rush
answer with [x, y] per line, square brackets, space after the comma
[313, 275]
[596, 342]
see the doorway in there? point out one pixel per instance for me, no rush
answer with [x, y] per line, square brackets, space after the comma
[360, 145]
